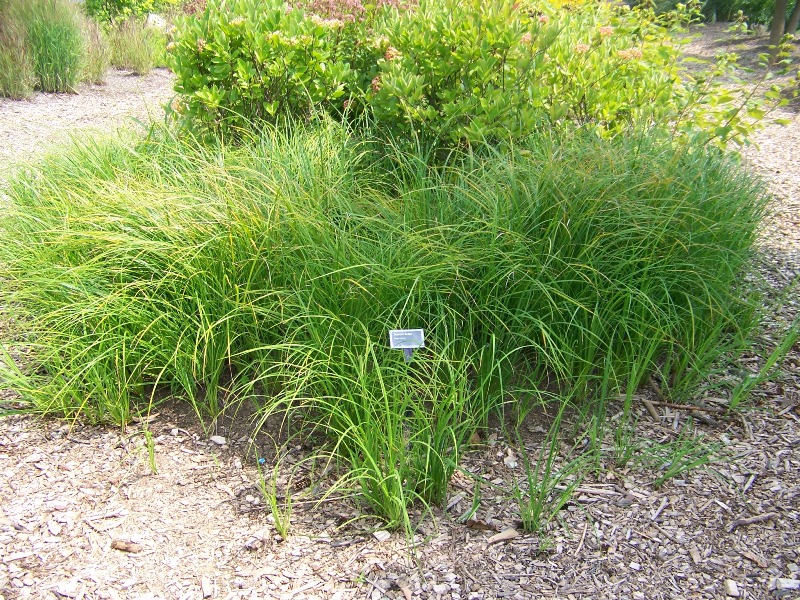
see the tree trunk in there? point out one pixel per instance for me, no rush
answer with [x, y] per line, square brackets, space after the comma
[778, 24]
[794, 19]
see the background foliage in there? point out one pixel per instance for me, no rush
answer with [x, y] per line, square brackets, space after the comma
[449, 73]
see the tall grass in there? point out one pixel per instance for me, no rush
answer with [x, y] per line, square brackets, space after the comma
[570, 267]
[98, 52]
[137, 46]
[17, 76]
[55, 41]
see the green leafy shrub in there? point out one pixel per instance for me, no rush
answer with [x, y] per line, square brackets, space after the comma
[571, 267]
[451, 73]
[248, 62]
[108, 11]
[137, 46]
[468, 72]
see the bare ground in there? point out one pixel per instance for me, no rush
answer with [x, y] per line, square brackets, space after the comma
[76, 500]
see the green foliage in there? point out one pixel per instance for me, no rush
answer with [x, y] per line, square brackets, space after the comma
[109, 11]
[681, 455]
[136, 46]
[469, 72]
[281, 511]
[461, 72]
[48, 45]
[569, 267]
[548, 485]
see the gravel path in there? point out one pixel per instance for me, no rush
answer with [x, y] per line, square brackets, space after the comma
[82, 515]
[27, 127]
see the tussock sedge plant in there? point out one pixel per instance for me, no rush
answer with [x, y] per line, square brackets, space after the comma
[565, 267]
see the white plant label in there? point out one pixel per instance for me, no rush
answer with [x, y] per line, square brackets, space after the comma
[406, 340]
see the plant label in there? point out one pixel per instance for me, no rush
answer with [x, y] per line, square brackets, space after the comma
[406, 340]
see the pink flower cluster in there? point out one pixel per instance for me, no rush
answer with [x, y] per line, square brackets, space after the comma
[544, 19]
[391, 53]
[376, 84]
[526, 38]
[606, 31]
[582, 48]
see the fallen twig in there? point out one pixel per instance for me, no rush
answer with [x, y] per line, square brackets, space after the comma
[752, 520]
[676, 406]
[651, 409]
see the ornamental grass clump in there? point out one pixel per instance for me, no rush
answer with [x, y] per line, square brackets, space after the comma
[54, 38]
[569, 267]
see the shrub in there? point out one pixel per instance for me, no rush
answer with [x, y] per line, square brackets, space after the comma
[469, 72]
[249, 62]
[451, 73]
[570, 267]
[136, 46]
[109, 11]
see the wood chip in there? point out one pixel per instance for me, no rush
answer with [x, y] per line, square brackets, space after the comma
[126, 546]
[406, 591]
[780, 584]
[479, 525]
[206, 587]
[755, 558]
[506, 534]
[651, 409]
[382, 535]
[731, 589]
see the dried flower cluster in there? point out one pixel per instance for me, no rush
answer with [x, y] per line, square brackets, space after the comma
[391, 53]
[630, 54]
[332, 23]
